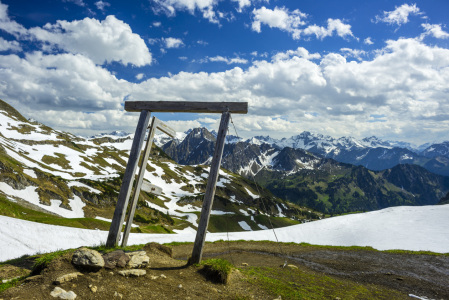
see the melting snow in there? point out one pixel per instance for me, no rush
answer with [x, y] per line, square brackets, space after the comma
[245, 226]
[404, 227]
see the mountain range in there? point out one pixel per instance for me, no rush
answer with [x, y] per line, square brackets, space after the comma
[55, 177]
[324, 173]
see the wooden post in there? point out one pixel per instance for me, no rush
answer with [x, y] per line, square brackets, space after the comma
[197, 252]
[143, 165]
[128, 178]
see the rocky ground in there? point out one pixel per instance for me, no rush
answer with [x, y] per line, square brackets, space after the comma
[311, 273]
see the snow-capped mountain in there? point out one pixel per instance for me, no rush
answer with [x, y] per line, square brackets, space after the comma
[66, 176]
[372, 153]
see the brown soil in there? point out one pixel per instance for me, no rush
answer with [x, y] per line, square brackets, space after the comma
[401, 274]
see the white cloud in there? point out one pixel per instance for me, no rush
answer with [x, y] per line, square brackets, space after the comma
[242, 4]
[173, 42]
[293, 23]
[102, 41]
[76, 2]
[400, 15]
[206, 7]
[157, 24]
[434, 30]
[368, 41]
[356, 53]
[101, 5]
[229, 61]
[200, 42]
[9, 45]
[406, 82]
[280, 18]
[333, 26]
[299, 52]
[8, 25]
[140, 76]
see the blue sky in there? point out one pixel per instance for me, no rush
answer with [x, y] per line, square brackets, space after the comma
[357, 68]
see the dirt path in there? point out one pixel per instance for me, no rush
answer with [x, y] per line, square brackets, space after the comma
[421, 275]
[318, 273]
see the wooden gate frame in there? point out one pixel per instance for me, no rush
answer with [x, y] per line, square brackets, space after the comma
[145, 108]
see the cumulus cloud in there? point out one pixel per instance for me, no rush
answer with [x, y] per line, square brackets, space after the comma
[333, 26]
[173, 42]
[279, 17]
[101, 5]
[206, 7]
[368, 41]
[9, 45]
[405, 83]
[140, 76]
[293, 22]
[399, 16]
[102, 41]
[8, 25]
[434, 30]
[242, 4]
[229, 61]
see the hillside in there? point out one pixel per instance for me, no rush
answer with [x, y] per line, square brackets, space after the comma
[68, 178]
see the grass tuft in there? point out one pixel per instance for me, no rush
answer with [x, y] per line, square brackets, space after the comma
[217, 269]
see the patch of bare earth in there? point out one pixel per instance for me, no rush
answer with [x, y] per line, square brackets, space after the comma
[388, 275]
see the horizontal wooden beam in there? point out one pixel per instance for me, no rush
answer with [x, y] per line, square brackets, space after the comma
[187, 106]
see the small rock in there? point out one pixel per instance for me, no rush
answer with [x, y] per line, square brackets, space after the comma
[117, 258]
[87, 259]
[399, 278]
[112, 273]
[244, 264]
[93, 288]
[278, 298]
[132, 273]
[180, 286]
[292, 266]
[337, 298]
[67, 277]
[154, 277]
[163, 276]
[118, 295]
[62, 294]
[33, 278]
[138, 259]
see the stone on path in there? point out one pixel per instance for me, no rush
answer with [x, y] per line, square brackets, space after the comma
[62, 294]
[88, 259]
[132, 273]
[138, 259]
[67, 277]
[117, 258]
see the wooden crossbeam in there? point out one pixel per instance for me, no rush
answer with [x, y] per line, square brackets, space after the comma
[187, 106]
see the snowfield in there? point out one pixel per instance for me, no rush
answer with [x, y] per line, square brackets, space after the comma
[407, 228]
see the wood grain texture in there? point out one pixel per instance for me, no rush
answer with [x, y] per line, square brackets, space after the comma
[142, 169]
[197, 252]
[188, 106]
[128, 178]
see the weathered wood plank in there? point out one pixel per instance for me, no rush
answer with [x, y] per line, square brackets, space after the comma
[128, 178]
[151, 188]
[187, 106]
[164, 128]
[197, 252]
[135, 198]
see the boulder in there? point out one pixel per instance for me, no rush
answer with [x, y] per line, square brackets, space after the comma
[87, 259]
[114, 259]
[138, 259]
